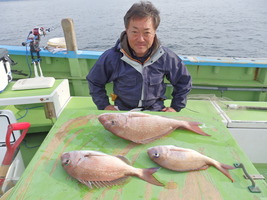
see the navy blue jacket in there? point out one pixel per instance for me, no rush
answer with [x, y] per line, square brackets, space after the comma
[136, 84]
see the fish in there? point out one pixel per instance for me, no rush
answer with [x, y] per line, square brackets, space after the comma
[97, 169]
[144, 128]
[182, 159]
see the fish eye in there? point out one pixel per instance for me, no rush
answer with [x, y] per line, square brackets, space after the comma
[112, 122]
[67, 162]
[156, 155]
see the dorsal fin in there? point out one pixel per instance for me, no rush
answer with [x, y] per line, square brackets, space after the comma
[138, 114]
[124, 159]
[180, 149]
[93, 153]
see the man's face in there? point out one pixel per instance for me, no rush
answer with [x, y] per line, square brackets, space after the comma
[141, 34]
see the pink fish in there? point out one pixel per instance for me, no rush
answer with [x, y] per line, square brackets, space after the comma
[144, 128]
[98, 169]
[180, 159]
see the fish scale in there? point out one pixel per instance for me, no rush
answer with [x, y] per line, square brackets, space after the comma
[97, 169]
[143, 128]
[182, 159]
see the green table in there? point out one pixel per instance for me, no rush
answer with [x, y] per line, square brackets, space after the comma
[78, 128]
[54, 98]
[40, 107]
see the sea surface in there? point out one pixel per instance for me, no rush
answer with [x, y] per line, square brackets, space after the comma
[235, 28]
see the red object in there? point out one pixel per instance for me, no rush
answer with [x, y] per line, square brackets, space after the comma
[11, 148]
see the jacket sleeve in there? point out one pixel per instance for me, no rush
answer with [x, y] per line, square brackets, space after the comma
[180, 78]
[97, 78]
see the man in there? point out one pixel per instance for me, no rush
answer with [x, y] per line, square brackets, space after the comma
[137, 65]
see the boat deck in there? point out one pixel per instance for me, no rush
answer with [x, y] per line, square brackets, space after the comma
[78, 128]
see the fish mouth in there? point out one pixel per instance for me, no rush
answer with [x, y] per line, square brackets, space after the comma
[65, 157]
[105, 120]
[102, 119]
[150, 151]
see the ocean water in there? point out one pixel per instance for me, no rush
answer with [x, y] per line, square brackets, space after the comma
[235, 28]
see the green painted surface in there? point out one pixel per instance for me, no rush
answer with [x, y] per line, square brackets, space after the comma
[262, 168]
[9, 93]
[76, 69]
[30, 145]
[33, 113]
[78, 129]
[245, 114]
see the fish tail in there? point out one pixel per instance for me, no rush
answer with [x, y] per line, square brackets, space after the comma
[146, 175]
[224, 169]
[193, 126]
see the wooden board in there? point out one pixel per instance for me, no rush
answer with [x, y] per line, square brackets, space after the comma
[78, 129]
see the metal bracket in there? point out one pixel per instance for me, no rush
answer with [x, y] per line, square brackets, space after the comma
[253, 188]
[255, 177]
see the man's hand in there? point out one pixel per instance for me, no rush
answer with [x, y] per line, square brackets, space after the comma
[111, 107]
[168, 109]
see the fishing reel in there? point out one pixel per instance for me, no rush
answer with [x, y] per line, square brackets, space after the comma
[40, 31]
[33, 39]
[34, 35]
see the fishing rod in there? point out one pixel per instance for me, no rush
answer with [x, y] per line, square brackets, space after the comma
[33, 41]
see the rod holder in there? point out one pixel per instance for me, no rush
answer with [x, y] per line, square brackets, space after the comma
[253, 188]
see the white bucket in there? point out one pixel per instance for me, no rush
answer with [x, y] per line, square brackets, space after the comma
[57, 42]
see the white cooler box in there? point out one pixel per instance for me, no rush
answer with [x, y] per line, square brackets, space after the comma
[17, 167]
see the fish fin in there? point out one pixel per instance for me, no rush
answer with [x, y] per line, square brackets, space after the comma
[93, 153]
[227, 166]
[148, 140]
[224, 169]
[118, 181]
[101, 184]
[87, 183]
[124, 159]
[202, 168]
[147, 176]
[193, 126]
[179, 149]
[138, 114]
[194, 169]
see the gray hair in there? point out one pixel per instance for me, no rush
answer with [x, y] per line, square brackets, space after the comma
[142, 10]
